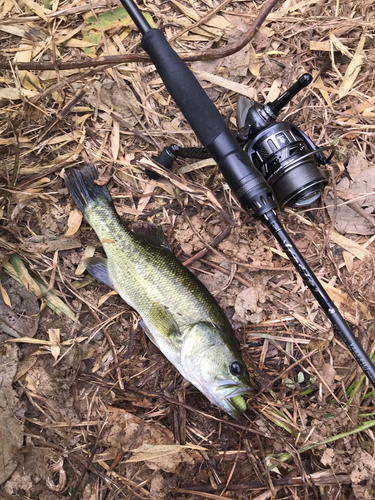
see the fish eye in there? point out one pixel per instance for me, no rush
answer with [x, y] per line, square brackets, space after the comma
[235, 368]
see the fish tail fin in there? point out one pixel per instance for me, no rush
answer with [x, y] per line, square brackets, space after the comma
[83, 189]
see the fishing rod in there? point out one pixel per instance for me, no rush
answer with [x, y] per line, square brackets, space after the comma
[265, 143]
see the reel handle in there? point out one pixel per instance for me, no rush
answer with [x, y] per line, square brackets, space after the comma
[278, 104]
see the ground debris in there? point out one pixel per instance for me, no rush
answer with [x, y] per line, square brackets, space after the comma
[19, 317]
[11, 413]
[72, 429]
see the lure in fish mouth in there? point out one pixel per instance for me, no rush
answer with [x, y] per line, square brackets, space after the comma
[179, 315]
[232, 395]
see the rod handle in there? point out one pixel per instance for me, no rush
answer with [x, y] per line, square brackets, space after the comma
[183, 86]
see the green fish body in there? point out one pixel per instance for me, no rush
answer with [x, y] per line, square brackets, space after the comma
[178, 313]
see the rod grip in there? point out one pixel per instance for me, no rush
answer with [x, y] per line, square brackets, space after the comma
[185, 89]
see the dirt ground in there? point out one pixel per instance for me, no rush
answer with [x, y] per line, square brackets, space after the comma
[89, 407]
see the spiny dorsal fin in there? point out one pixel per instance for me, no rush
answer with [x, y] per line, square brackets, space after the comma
[153, 235]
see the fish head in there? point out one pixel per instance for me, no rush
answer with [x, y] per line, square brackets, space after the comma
[210, 360]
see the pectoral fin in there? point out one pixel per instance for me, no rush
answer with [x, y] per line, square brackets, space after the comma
[97, 267]
[162, 321]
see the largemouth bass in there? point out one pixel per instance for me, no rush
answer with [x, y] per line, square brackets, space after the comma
[179, 315]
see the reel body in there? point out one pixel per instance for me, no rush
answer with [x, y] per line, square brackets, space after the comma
[283, 156]
[287, 158]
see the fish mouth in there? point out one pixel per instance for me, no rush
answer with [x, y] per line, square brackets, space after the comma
[232, 392]
[240, 391]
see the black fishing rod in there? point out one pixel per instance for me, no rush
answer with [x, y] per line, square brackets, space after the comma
[237, 165]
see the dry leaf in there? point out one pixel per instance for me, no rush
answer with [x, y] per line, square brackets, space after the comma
[340, 297]
[360, 190]
[105, 297]
[27, 280]
[13, 30]
[353, 68]
[5, 296]
[25, 366]
[37, 9]
[325, 46]
[350, 246]
[324, 93]
[13, 94]
[239, 88]
[17, 270]
[255, 64]
[41, 244]
[117, 96]
[210, 162]
[30, 384]
[54, 336]
[8, 6]
[149, 189]
[348, 259]
[23, 318]
[154, 451]
[115, 139]
[71, 136]
[339, 45]
[62, 39]
[74, 222]
[193, 14]
[248, 302]
[89, 252]
[328, 374]
[274, 91]
[328, 457]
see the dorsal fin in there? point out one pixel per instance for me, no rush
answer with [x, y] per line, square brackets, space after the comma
[153, 235]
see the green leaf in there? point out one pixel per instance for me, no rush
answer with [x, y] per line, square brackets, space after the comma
[115, 18]
[111, 19]
[17, 270]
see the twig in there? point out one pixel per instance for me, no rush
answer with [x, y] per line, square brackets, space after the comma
[39, 175]
[63, 112]
[287, 481]
[270, 384]
[203, 55]
[225, 271]
[113, 348]
[362, 213]
[67, 81]
[178, 403]
[203, 19]
[206, 250]
[16, 168]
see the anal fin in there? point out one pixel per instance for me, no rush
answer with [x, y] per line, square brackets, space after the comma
[97, 267]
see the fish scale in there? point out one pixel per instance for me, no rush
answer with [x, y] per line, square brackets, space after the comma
[178, 313]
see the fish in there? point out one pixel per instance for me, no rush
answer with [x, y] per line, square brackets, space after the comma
[179, 315]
